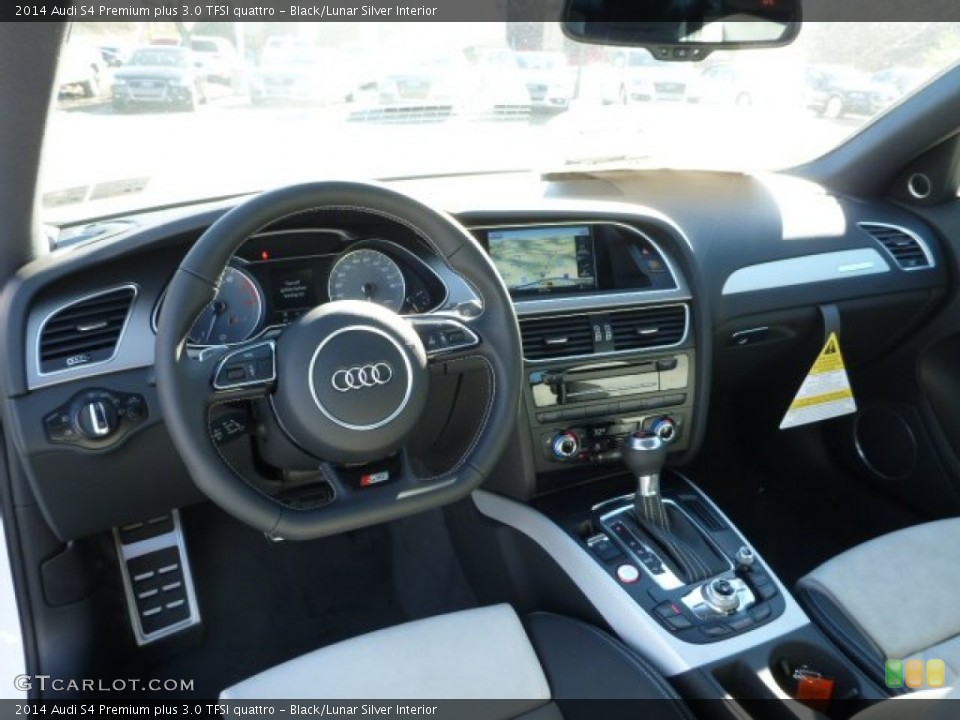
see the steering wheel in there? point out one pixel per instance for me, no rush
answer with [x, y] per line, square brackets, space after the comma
[347, 382]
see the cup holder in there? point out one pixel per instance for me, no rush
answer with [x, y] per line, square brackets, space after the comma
[790, 660]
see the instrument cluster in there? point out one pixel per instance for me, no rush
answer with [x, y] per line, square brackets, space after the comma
[277, 277]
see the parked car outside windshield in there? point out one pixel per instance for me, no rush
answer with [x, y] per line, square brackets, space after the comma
[161, 77]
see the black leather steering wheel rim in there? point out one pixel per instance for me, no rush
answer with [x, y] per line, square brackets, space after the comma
[183, 381]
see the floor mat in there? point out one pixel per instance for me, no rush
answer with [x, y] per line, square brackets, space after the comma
[265, 602]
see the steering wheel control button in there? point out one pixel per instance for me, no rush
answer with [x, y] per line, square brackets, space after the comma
[95, 419]
[628, 574]
[249, 366]
[442, 335]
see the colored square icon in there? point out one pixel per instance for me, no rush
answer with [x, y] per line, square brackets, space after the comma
[936, 673]
[893, 672]
[914, 673]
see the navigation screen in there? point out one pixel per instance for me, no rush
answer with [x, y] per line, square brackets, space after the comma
[544, 259]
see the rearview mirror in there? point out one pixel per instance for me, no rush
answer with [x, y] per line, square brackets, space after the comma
[683, 29]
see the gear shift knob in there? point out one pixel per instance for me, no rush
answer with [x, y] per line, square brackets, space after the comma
[644, 454]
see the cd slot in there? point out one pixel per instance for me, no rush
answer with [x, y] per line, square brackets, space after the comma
[594, 384]
[617, 409]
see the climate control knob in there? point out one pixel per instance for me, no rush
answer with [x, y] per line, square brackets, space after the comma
[664, 428]
[566, 445]
[97, 419]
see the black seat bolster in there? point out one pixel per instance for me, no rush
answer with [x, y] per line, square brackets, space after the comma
[843, 631]
[583, 662]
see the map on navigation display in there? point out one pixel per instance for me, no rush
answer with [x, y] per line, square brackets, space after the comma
[543, 258]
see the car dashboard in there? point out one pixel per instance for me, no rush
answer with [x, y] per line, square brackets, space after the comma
[637, 296]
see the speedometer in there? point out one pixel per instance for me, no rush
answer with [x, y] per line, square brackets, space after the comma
[370, 275]
[234, 314]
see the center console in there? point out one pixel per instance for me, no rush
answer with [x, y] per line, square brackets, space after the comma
[606, 323]
[611, 360]
[737, 596]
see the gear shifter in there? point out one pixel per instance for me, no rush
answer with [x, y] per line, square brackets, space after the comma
[679, 540]
[644, 454]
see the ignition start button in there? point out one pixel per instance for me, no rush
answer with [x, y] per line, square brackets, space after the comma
[628, 574]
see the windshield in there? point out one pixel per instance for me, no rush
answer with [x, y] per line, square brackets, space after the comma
[289, 102]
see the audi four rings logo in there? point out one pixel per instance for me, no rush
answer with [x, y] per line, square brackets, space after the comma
[362, 376]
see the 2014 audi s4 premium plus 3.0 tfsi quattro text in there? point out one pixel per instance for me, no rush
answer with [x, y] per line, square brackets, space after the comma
[587, 359]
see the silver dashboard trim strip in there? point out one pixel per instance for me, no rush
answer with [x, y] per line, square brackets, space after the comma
[806, 269]
[630, 621]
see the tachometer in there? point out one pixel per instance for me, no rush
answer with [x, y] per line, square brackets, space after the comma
[367, 274]
[234, 314]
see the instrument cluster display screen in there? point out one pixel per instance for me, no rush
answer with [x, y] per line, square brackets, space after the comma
[293, 288]
[544, 259]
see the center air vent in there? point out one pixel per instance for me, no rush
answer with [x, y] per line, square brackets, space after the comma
[648, 327]
[85, 331]
[545, 338]
[601, 333]
[905, 247]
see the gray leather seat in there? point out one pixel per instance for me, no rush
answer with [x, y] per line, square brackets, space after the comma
[485, 653]
[893, 597]
[526, 666]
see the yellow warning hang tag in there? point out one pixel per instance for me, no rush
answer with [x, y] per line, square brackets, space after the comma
[825, 392]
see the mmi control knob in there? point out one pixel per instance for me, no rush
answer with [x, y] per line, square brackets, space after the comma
[721, 595]
[96, 419]
[566, 445]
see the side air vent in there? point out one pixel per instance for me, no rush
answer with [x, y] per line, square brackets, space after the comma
[648, 327]
[545, 338]
[85, 331]
[905, 247]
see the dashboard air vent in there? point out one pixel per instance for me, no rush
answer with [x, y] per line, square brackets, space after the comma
[86, 331]
[905, 248]
[545, 338]
[648, 327]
